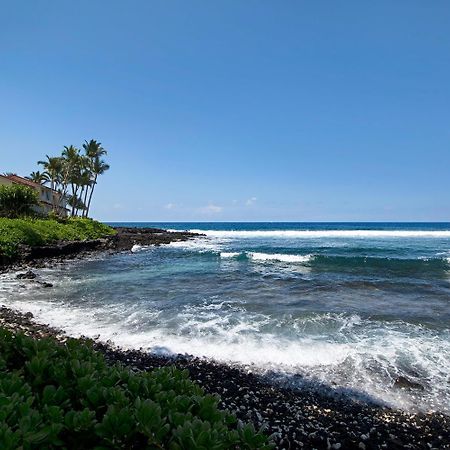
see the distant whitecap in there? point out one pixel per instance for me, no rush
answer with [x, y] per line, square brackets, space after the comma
[229, 254]
[313, 234]
[279, 257]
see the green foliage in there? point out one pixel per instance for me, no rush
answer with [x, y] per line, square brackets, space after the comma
[66, 396]
[42, 231]
[74, 174]
[17, 200]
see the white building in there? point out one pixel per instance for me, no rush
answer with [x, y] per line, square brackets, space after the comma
[47, 197]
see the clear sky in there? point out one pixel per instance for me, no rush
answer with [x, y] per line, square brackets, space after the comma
[236, 110]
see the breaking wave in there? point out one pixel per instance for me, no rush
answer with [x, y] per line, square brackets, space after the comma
[229, 254]
[356, 354]
[255, 256]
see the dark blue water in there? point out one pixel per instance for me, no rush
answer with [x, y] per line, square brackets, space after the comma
[352, 306]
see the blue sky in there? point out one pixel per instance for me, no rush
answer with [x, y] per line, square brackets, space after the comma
[236, 110]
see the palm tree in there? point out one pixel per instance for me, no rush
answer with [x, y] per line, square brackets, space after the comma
[53, 170]
[72, 168]
[84, 181]
[73, 175]
[76, 204]
[97, 166]
[38, 177]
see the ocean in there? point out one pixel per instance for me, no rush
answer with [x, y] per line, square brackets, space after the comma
[357, 309]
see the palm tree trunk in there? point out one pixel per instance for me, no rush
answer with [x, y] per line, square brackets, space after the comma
[62, 198]
[73, 198]
[52, 186]
[81, 196]
[90, 195]
[85, 201]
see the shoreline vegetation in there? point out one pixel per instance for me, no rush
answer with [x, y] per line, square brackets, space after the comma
[20, 237]
[305, 417]
[63, 393]
[29, 240]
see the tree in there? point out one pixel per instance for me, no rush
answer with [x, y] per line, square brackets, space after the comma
[74, 175]
[53, 169]
[97, 166]
[17, 200]
[76, 204]
[38, 177]
[84, 183]
[71, 172]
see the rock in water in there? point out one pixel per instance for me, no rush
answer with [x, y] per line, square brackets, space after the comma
[28, 275]
[405, 383]
[45, 284]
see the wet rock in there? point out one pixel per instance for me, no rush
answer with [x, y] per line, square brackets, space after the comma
[129, 237]
[28, 275]
[44, 284]
[405, 383]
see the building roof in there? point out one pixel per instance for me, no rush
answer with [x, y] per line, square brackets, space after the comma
[25, 181]
[4, 176]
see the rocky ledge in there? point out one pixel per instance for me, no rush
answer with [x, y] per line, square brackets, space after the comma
[297, 419]
[124, 239]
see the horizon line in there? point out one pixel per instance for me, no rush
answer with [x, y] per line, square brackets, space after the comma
[274, 221]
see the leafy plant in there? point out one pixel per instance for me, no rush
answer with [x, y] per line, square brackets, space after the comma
[54, 395]
[30, 231]
[17, 200]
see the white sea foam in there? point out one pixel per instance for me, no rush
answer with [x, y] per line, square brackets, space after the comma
[136, 248]
[305, 234]
[229, 254]
[355, 354]
[255, 256]
[200, 245]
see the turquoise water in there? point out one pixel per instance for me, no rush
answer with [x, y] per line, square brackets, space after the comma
[351, 307]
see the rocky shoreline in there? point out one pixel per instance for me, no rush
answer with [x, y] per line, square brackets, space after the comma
[124, 240]
[304, 418]
[296, 418]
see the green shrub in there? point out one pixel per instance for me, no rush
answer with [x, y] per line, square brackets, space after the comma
[52, 215]
[17, 200]
[66, 396]
[32, 231]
